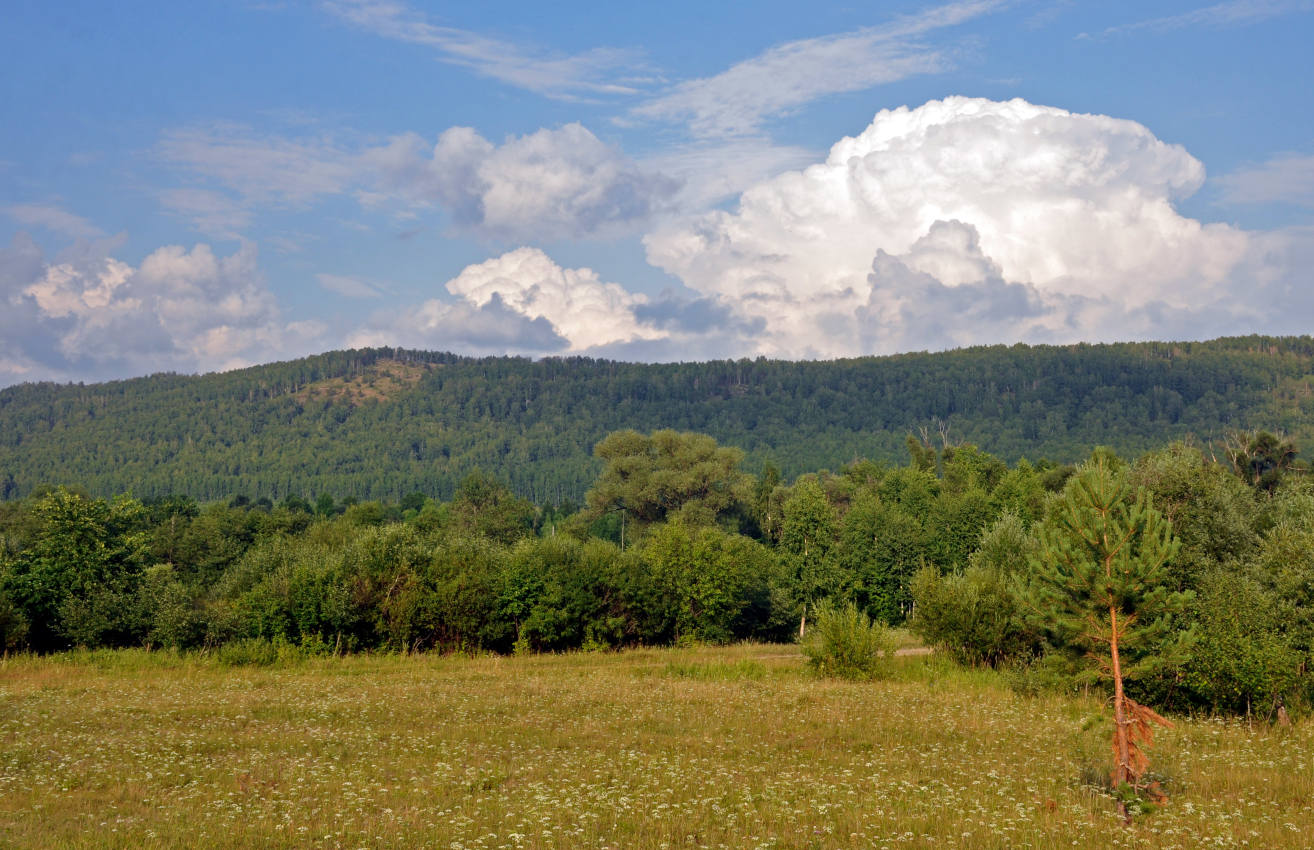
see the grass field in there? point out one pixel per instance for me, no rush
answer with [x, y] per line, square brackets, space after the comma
[732, 747]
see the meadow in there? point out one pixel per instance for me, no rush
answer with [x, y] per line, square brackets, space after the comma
[730, 747]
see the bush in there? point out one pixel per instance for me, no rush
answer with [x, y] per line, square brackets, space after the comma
[844, 643]
[975, 616]
[252, 652]
[1243, 660]
[972, 616]
[261, 652]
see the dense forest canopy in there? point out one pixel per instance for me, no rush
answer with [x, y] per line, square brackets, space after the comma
[383, 423]
[1007, 566]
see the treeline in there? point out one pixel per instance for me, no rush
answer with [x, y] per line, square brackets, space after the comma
[381, 423]
[677, 543]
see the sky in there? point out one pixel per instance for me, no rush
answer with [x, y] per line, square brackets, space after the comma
[201, 186]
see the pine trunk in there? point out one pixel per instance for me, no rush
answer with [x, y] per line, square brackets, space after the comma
[1122, 772]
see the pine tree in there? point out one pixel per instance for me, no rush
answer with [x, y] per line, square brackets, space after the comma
[1101, 589]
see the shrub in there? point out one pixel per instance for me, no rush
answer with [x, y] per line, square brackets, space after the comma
[975, 615]
[253, 652]
[1243, 660]
[846, 644]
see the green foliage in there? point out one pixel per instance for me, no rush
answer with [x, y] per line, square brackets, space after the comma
[730, 559]
[652, 478]
[315, 425]
[166, 609]
[881, 546]
[1021, 492]
[1214, 515]
[976, 616]
[1261, 459]
[1102, 574]
[1244, 659]
[844, 643]
[710, 584]
[74, 581]
[561, 594]
[486, 508]
[1284, 565]
[807, 541]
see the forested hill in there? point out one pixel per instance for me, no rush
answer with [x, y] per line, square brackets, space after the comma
[381, 423]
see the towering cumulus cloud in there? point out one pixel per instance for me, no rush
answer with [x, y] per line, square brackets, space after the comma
[965, 221]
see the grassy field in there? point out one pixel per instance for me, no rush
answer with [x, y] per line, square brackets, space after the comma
[733, 747]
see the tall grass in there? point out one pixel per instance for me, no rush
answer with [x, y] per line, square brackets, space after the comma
[705, 747]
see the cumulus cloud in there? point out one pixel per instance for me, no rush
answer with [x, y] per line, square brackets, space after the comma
[88, 314]
[462, 327]
[966, 221]
[550, 184]
[520, 302]
[709, 172]
[582, 308]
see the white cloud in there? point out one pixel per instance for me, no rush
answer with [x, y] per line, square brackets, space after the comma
[584, 310]
[1232, 13]
[1287, 178]
[54, 218]
[92, 315]
[520, 302]
[708, 173]
[1016, 221]
[212, 213]
[550, 184]
[597, 72]
[460, 327]
[785, 77]
[262, 168]
[351, 287]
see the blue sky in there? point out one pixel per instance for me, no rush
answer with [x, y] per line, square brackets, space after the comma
[199, 186]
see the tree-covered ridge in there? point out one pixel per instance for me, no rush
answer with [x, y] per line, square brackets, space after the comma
[381, 423]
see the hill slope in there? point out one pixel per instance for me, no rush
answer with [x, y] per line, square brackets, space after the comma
[380, 423]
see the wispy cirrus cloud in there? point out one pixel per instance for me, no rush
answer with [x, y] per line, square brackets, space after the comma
[53, 217]
[350, 287]
[261, 167]
[1218, 15]
[598, 72]
[212, 213]
[738, 100]
[1286, 178]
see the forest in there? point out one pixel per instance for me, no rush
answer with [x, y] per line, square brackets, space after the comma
[380, 424]
[675, 543]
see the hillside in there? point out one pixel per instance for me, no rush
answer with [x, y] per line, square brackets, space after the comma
[380, 423]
